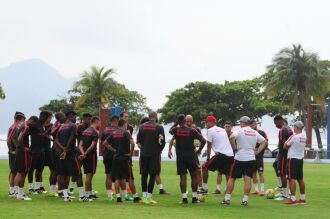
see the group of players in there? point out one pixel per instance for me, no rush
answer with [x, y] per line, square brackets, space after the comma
[66, 147]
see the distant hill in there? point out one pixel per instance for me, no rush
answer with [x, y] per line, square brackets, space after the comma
[28, 85]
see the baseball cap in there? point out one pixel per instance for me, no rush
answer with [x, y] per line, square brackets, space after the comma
[210, 119]
[245, 119]
[299, 124]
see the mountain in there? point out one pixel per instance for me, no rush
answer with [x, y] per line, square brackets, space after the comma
[28, 85]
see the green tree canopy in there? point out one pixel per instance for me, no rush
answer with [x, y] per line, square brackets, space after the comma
[2, 93]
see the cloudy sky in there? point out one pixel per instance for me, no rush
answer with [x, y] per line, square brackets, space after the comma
[157, 46]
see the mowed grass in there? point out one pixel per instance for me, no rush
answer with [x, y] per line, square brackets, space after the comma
[317, 178]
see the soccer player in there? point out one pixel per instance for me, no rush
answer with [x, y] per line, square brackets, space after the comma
[296, 148]
[243, 142]
[152, 140]
[87, 147]
[187, 158]
[284, 134]
[85, 123]
[22, 155]
[259, 163]
[69, 165]
[47, 143]
[55, 156]
[108, 155]
[12, 143]
[218, 141]
[120, 142]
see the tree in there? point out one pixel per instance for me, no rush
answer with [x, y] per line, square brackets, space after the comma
[294, 77]
[2, 93]
[93, 87]
[228, 101]
[61, 105]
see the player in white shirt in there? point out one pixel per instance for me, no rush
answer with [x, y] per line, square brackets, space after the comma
[296, 148]
[218, 141]
[243, 142]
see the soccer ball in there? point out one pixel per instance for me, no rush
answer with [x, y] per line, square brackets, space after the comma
[270, 193]
[197, 143]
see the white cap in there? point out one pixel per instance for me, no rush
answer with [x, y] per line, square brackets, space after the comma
[299, 124]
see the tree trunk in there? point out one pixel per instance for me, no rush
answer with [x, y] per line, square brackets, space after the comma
[319, 140]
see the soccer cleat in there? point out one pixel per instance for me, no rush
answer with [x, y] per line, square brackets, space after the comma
[262, 193]
[184, 201]
[71, 191]
[119, 200]
[111, 198]
[129, 198]
[302, 202]
[225, 202]
[137, 200]
[256, 192]
[279, 195]
[216, 192]
[278, 189]
[60, 194]
[281, 198]
[203, 191]
[24, 198]
[53, 194]
[290, 202]
[67, 199]
[85, 199]
[194, 200]
[145, 201]
[13, 195]
[153, 202]
[129, 191]
[163, 192]
[37, 191]
[94, 197]
[244, 203]
[43, 190]
[32, 192]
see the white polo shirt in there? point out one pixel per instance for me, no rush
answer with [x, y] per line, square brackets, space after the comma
[297, 143]
[220, 141]
[247, 139]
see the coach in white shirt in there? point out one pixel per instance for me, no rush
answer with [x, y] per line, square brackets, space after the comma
[296, 148]
[243, 142]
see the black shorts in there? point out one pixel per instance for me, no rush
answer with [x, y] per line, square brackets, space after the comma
[90, 163]
[37, 161]
[240, 168]
[22, 161]
[12, 165]
[48, 154]
[295, 168]
[69, 166]
[185, 163]
[282, 164]
[220, 162]
[54, 161]
[150, 165]
[259, 164]
[107, 161]
[121, 169]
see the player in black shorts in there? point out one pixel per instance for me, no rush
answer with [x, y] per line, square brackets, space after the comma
[187, 158]
[120, 142]
[69, 165]
[22, 160]
[11, 143]
[54, 156]
[284, 134]
[108, 155]
[151, 137]
[47, 143]
[87, 147]
[259, 163]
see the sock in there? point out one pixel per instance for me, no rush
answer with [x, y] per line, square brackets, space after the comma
[160, 186]
[20, 192]
[262, 187]
[16, 189]
[72, 185]
[205, 186]
[149, 195]
[144, 195]
[11, 190]
[127, 185]
[293, 198]
[135, 195]
[194, 195]
[302, 197]
[279, 182]
[65, 193]
[184, 195]
[124, 193]
[284, 190]
[118, 195]
[52, 188]
[199, 187]
[88, 193]
[218, 187]
[109, 193]
[245, 198]
[81, 191]
[256, 187]
[30, 185]
[227, 197]
[37, 185]
[93, 192]
[113, 185]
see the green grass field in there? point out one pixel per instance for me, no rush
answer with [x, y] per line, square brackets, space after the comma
[317, 178]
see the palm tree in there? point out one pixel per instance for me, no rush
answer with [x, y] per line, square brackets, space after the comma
[294, 75]
[94, 86]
